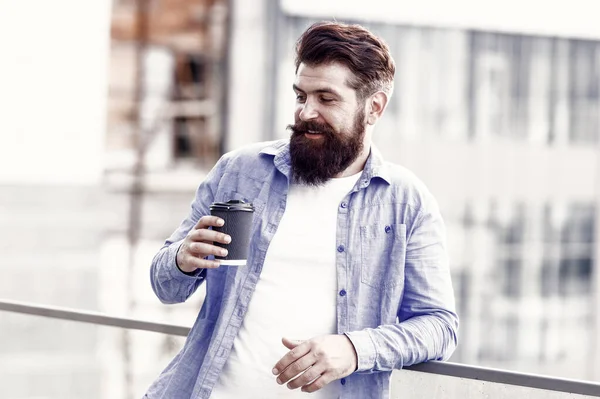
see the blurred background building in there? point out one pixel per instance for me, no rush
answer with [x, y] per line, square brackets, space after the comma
[112, 112]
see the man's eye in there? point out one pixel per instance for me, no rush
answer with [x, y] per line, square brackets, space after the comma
[300, 98]
[326, 100]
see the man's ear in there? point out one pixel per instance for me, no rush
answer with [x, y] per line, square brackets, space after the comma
[376, 105]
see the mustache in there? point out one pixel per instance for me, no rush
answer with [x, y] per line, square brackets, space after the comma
[302, 127]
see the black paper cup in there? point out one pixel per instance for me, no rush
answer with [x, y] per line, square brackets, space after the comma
[238, 216]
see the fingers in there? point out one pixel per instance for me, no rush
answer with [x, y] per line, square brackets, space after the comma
[314, 363]
[298, 367]
[209, 235]
[307, 377]
[190, 263]
[208, 221]
[319, 383]
[291, 357]
[199, 244]
[202, 249]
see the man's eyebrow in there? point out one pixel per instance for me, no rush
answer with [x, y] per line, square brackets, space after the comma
[326, 90]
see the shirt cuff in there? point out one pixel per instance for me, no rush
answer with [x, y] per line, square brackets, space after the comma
[175, 272]
[365, 350]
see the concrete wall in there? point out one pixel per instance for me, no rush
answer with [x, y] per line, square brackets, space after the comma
[418, 385]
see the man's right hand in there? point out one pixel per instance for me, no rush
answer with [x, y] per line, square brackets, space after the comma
[198, 244]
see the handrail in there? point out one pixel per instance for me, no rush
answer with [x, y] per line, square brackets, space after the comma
[440, 368]
[85, 316]
[499, 376]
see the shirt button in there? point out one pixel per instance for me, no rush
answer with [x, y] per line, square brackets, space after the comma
[343, 381]
[344, 205]
[340, 248]
[388, 229]
[343, 293]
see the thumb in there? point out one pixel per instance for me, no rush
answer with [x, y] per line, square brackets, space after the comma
[290, 343]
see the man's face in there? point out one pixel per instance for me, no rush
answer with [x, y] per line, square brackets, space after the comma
[329, 129]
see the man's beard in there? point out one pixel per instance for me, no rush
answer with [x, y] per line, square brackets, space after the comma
[314, 161]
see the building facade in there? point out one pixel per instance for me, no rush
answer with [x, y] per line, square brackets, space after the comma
[503, 127]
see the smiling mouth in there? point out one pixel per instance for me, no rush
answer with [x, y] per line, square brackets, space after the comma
[311, 135]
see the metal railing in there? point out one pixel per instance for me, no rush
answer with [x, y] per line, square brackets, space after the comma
[440, 368]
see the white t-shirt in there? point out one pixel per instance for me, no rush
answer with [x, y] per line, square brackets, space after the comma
[295, 296]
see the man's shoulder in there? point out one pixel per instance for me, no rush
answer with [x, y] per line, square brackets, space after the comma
[252, 154]
[407, 186]
[254, 150]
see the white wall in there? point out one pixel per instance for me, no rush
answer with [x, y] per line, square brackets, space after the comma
[568, 18]
[53, 90]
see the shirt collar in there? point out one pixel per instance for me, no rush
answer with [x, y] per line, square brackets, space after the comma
[280, 150]
[375, 166]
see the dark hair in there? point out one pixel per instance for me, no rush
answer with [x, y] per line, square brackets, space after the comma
[366, 55]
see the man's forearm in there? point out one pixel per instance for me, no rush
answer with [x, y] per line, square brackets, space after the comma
[394, 346]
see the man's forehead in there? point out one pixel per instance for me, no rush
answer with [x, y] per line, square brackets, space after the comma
[317, 77]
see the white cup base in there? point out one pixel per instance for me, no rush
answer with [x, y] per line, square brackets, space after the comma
[233, 262]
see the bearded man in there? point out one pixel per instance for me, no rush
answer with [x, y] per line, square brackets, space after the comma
[347, 276]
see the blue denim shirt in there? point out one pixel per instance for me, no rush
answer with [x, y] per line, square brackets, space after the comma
[395, 302]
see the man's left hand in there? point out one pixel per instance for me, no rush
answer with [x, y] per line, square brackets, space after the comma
[322, 359]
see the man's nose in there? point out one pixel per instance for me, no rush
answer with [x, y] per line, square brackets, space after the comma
[308, 112]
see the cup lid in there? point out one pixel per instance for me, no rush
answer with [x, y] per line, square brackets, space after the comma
[232, 205]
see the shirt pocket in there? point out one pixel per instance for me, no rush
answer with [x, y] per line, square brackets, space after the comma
[383, 252]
